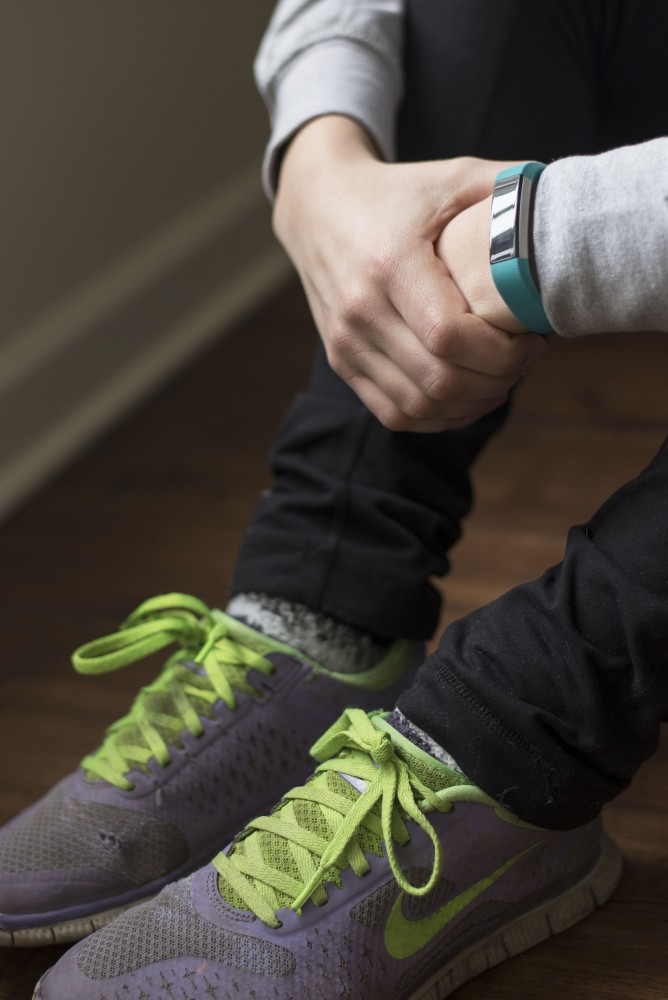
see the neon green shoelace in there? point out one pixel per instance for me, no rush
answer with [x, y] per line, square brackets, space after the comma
[219, 660]
[285, 858]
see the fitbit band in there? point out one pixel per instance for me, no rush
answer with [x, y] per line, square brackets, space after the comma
[512, 203]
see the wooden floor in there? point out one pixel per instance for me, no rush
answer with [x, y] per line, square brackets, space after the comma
[160, 505]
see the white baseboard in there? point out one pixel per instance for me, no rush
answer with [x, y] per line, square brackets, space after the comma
[74, 370]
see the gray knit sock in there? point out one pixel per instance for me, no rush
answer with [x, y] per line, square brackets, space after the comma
[337, 646]
[422, 740]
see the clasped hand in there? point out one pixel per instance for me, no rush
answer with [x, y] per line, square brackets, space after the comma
[394, 262]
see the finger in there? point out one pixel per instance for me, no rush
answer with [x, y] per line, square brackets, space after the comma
[473, 179]
[395, 387]
[392, 339]
[372, 339]
[477, 345]
[425, 296]
[431, 305]
[394, 419]
[457, 394]
[387, 411]
[422, 385]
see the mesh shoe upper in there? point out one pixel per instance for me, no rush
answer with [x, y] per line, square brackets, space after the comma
[172, 927]
[364, 883]
[209, 744]
[65, 832]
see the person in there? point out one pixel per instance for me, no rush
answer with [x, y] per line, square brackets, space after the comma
[462, 827]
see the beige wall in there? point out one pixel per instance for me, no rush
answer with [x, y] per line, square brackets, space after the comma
[133, 223]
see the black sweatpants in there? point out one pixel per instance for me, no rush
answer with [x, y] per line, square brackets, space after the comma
[551, 697]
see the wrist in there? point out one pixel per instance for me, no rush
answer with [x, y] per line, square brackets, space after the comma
[464, 249]
[327, 142]
[510, 248]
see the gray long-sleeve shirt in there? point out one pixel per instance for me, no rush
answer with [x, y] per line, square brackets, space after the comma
[600, 229]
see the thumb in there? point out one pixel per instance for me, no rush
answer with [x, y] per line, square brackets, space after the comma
[475, 179]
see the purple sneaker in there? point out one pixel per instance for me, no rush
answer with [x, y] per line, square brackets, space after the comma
[212, 742]
[385, 877]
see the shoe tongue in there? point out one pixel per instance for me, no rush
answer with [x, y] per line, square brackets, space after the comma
[432, 772]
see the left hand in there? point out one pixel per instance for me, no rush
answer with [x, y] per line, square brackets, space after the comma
[394, 324]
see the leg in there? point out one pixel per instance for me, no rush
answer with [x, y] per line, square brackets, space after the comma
[361, 518]
[554, 714]
[253, 924]
[551, 697]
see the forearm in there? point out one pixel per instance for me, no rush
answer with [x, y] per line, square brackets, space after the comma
[331, 57]
[361, 234]
[599, 239]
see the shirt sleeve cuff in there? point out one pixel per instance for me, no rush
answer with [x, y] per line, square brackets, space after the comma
[325, 80]
[600, 236]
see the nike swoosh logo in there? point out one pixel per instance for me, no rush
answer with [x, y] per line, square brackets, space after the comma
[404, 938]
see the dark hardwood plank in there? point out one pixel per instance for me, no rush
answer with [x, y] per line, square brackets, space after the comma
[160, 505]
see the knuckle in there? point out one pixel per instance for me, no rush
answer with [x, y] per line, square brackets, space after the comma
[340, 340]
[355, 305]
[382, 266]
[439, 386]
[338, 367]
[393, 419]
[419, 407]
[513, 362]
[508, 353]
[439, 336]
[462, 327]
[446, 383]
[338, 361]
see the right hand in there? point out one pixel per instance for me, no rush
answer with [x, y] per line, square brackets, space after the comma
[395, 327]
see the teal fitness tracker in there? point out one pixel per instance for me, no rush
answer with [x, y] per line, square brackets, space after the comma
[512, 203]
